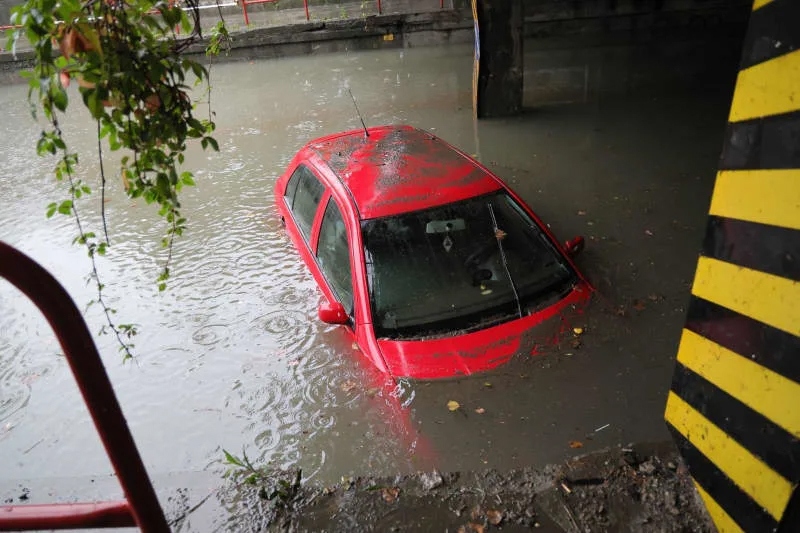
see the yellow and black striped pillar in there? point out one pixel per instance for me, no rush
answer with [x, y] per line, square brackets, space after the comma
[734, 405]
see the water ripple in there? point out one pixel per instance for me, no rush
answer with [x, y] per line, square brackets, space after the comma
[211, 334]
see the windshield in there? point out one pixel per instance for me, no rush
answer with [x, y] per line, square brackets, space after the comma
[459, 268]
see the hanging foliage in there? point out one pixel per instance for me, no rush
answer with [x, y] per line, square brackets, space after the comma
[134, 79]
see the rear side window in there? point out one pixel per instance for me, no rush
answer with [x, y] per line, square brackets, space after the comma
[333, 255]
[303, 194]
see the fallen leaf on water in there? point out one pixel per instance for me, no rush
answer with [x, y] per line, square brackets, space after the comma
[453, 405]
[575, 444]
[480, 410]
[348, 385]
[638, 305]
[577, 331]
[654, 297]
[648, 233]
[390, 494]
[487, 384]
[494, 516]
[581, 212]
[621, 311]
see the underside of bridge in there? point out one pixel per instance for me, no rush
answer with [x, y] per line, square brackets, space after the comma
[502, 26]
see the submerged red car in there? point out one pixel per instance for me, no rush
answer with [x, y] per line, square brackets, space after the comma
[429, 260]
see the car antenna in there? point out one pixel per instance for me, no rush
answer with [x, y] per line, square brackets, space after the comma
[366, 132]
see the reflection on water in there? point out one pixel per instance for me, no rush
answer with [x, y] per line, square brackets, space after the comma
[232, 355]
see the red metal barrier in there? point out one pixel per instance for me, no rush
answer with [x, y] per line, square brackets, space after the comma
[252, 2]
[141, 507]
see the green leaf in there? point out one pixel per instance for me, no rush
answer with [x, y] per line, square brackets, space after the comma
[162, 185]
[65, 208]
[51, 209]
[232, 459]
[94, 103]
[59, 97]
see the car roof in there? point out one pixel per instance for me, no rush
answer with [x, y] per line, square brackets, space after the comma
[398, 169]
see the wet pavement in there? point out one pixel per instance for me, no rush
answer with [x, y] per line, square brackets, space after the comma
[619, 144]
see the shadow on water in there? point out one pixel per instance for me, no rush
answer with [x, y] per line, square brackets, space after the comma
[617, 145]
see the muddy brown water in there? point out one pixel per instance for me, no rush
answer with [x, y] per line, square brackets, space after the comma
[620, 144]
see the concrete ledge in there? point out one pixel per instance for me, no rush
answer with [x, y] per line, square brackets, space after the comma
[373, 32]
[643, 488]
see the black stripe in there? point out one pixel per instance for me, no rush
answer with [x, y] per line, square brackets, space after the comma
[744, 511]
[771, 32]
[763, 344]
[790, 522]
[764, 143]
[762, 247]
[775, 446]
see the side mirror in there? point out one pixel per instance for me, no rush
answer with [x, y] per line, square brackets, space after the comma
[332, 313]
[574, 246]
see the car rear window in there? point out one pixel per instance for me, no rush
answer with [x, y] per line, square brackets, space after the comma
[303, 194]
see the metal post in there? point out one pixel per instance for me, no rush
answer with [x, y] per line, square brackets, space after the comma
[87, 367]
[305, 3]
[244, 12]
[379, 8]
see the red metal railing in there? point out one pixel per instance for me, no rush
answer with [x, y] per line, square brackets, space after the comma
[141, 507]
[245, 3]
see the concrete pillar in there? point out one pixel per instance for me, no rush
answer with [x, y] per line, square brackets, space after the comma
[733, 403]
[498, 85]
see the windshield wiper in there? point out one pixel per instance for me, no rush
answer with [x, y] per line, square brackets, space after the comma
[498, 235]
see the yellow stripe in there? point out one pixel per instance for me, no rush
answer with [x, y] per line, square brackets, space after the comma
[767, 488]
[768, 88]
[763, 196]
[770, 299]
[763, 390]
[757, 4]
[723, 522]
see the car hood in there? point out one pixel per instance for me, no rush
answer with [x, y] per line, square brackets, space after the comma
[482, 350]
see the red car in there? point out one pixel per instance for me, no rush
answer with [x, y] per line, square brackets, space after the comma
[434, 266]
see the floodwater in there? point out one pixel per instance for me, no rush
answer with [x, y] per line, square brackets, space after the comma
[619, 144]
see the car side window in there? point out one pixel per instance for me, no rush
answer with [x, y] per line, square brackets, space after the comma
[333, 255]
[303, 194]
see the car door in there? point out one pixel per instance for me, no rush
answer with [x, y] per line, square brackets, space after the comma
[333, 254]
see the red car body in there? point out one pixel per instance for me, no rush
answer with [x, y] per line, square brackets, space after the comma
[389, 171]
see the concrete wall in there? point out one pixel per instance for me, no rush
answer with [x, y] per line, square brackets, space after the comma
[5, 11]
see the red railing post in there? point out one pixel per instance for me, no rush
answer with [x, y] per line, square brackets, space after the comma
[305, 3]
[244, 12]
[73, 335]
[379, 8]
